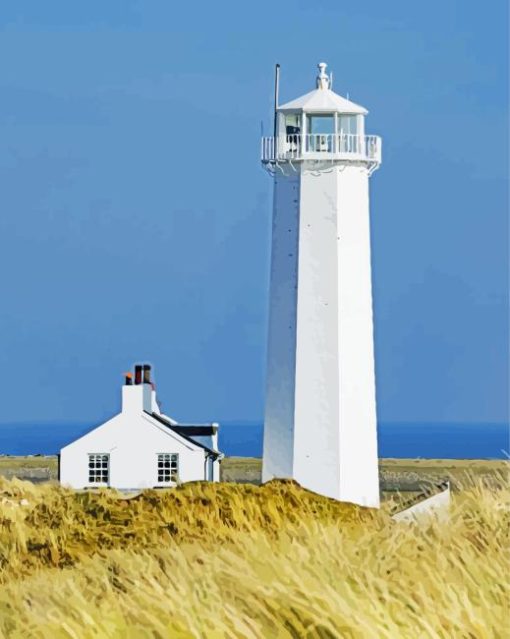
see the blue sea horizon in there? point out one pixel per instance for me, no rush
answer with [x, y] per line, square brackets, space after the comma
[244, 439]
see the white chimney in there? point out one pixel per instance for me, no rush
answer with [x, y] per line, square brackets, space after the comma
[138, 397]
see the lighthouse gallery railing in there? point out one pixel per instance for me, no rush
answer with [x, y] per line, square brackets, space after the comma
[321, 146]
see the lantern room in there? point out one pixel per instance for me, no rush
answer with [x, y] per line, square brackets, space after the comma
[321, 125]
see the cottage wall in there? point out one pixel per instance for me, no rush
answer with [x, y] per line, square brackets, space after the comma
[133, 442]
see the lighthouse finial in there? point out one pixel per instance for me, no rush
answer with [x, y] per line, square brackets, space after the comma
[322, 78]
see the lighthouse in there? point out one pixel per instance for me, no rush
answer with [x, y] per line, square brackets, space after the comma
[320, 424]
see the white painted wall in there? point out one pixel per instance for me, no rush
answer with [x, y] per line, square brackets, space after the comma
[280, 386]
[359, 472]
[316, 442]
[211, 441]
[133, 444]
[137, 398]
[320, 423]
[216, 469]
[436, 506]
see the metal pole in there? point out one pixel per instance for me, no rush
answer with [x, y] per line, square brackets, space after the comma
[276, 92]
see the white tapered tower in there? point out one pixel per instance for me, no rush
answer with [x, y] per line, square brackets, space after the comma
[320, 418]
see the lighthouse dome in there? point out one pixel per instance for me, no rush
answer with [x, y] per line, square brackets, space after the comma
[322, 99]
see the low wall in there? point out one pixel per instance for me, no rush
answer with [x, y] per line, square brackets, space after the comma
[436, 505]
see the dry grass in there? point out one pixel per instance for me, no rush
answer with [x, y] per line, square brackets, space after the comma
[214, 561]
[47, 525]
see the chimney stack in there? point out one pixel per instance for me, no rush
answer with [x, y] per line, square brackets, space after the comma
[139, 396]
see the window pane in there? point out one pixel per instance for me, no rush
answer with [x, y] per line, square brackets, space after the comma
[167, 467]
[321, 124]
[348, 124]
[292, 124]
[99, 466]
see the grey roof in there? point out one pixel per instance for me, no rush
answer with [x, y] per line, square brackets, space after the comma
[195, 430]
[188, 430]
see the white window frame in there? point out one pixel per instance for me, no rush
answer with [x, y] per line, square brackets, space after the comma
[95, 476]
[167, 475]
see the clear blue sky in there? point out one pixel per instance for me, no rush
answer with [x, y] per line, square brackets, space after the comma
[135, 216]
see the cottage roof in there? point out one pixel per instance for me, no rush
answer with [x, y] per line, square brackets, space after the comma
[196, 430]
[187, 431]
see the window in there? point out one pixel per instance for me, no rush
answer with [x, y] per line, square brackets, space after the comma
[321, 124]
[348, 124]
[320, 129]
[292, 124]
[99, 468]
[168, 467]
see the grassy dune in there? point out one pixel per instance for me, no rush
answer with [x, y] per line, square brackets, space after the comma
[45, 525]
[229, 560]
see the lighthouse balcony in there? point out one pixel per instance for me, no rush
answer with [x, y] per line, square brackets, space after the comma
[334, 147]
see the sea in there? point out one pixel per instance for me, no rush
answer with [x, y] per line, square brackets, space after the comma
[244, 439]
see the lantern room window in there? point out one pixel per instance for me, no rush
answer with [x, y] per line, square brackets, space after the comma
[292, 124]
[320, 124]
[320, 129]
[348, 124]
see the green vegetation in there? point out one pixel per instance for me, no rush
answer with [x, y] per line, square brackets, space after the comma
[230, 560]
[409, 474]
[33, 468]
[242, 469]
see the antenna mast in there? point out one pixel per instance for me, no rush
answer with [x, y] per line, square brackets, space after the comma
[276, 94]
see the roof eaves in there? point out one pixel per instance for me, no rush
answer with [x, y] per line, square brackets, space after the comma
[319, 101]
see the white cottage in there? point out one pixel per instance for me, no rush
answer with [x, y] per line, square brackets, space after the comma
[141, 447]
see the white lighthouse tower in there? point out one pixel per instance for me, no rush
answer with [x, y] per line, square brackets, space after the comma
[320, 417]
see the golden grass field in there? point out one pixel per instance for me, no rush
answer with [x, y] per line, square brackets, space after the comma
[237, 560]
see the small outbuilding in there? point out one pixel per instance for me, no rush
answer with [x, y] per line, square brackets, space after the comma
[141, 447]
